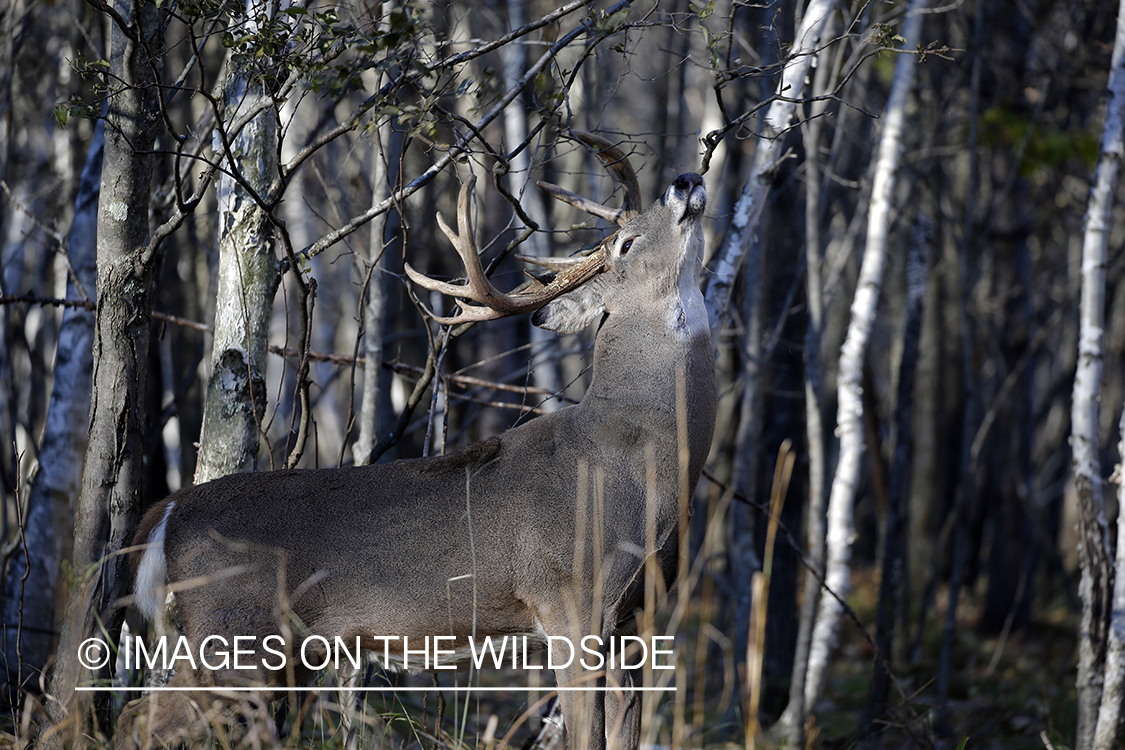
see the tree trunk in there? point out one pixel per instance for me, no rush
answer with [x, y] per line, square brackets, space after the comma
[110, 501]
[1107, 734]
[10, 13]
[30, 603]
[546, 370]
[374, 306]
[841, 530]
[749, 207]
[791, 725]
[1096, 581]
[894, 537]
[742, 553]
[248, 277]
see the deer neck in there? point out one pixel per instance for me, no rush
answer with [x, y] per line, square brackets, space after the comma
[645, 370]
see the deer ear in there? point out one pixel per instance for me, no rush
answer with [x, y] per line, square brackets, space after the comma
[571, 312]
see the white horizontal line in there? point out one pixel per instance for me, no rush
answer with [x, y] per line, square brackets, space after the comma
[459, 689]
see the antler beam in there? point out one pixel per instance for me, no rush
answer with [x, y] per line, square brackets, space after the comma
[492, 303]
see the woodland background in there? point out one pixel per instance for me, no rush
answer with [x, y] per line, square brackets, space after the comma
[311, 146]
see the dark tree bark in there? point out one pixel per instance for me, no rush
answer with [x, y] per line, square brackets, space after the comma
[109, 504]
[894, 537]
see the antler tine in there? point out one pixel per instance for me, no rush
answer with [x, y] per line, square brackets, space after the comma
[478, 287]
[617, 162]
[493, 303]
[616, 215]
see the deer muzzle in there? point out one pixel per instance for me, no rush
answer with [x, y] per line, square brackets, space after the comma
[688, 189]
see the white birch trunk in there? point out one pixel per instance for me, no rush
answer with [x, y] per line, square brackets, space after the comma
[29, 605]
[1086, 467]
[374, 311]
[1107, 734]
[385, 158]
[791, 725]
[779, 116]
[247, 280]
[841, 530]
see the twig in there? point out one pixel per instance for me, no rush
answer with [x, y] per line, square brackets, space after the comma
[307, 297]
[32, 299]
[23, 578]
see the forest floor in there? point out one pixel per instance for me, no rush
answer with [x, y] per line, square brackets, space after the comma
[1013, 693]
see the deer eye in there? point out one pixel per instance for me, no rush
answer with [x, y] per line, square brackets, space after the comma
[626, 246]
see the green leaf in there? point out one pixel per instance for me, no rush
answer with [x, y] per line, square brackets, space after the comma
[606, 25]
[705, 11]
[400, 20]
[62, 114]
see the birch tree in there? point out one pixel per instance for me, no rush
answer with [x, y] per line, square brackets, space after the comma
[792, 721]
[840, 525]
[374, 305]
[1094, 551]
[1107, 732]
[31, 583]
[248, 268]
[751, 202]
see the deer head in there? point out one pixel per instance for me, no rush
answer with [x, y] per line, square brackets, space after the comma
[580, 299]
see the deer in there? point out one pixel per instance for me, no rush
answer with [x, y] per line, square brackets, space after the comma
[545, 530]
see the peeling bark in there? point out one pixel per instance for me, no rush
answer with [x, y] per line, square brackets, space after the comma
[247, 281]
[1107, 733]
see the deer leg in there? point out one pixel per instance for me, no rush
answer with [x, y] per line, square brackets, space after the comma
[622, 710]
[623, 700]
[583, 711]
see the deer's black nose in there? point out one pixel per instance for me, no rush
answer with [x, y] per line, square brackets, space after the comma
[688, 181]
[689, 188]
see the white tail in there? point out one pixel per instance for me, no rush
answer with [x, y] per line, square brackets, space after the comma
[152, 572]
[543, 530]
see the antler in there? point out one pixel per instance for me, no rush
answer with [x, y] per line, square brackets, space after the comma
[617, 163]
[570, 274]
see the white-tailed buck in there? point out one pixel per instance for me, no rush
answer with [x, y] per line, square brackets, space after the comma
[544, 530]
